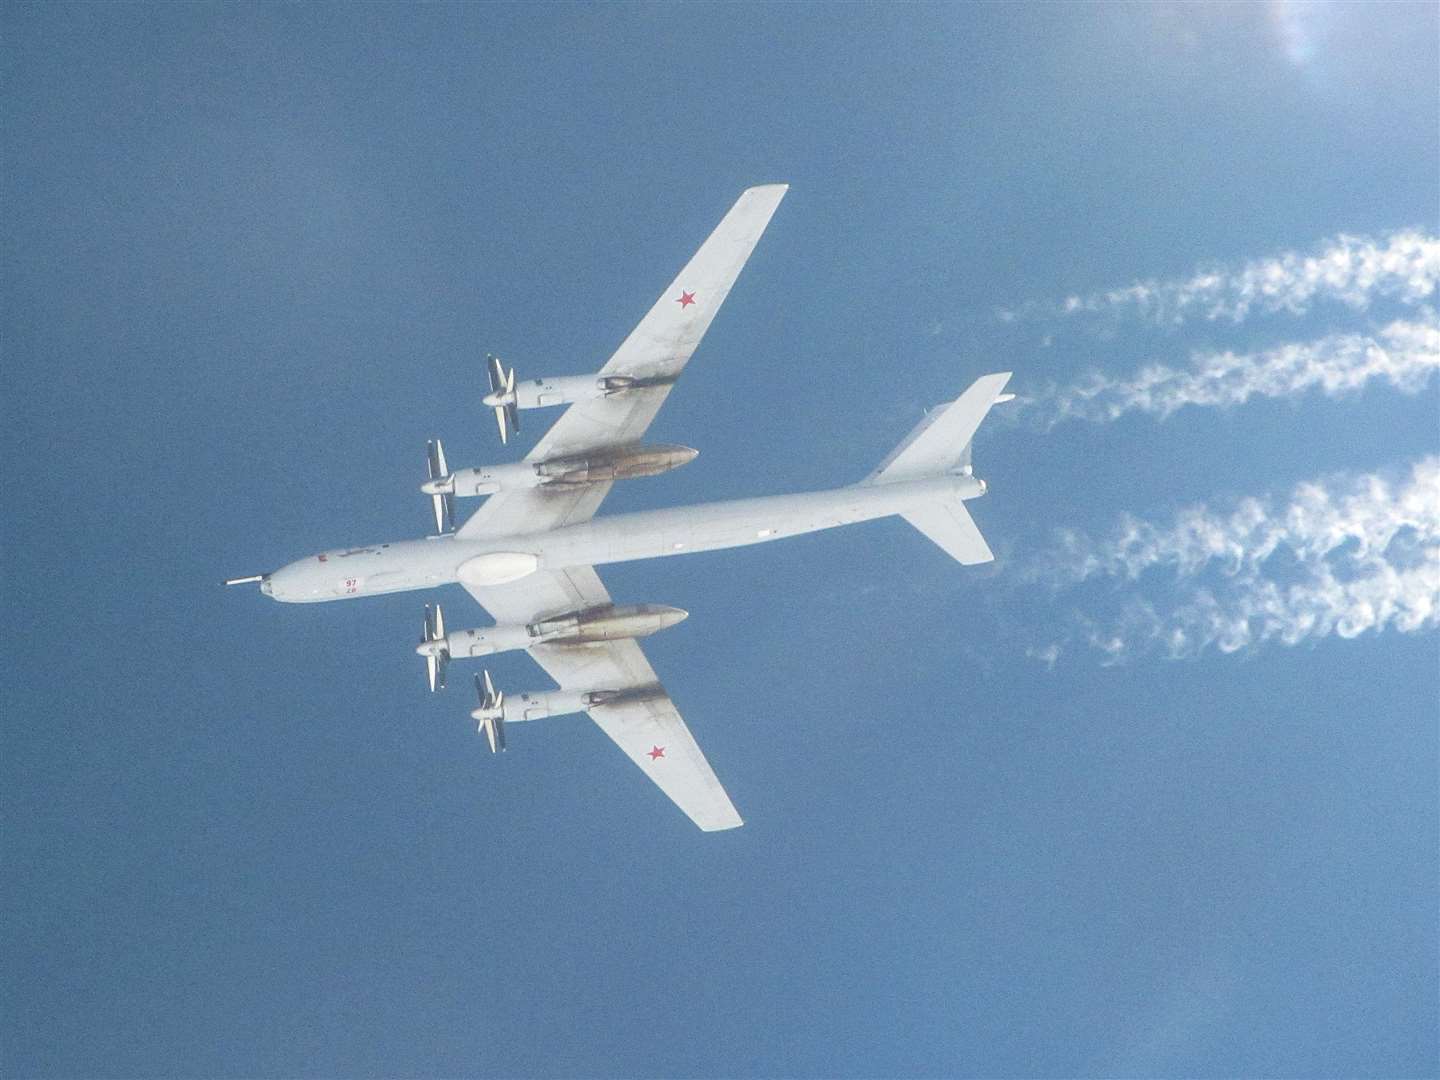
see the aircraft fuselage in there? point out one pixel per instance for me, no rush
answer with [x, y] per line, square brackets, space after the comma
[405, 565]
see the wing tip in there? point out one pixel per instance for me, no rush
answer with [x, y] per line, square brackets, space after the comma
[721, 825]
[778, 190]
[992, 384]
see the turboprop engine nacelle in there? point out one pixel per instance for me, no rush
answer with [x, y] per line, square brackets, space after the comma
[485, 480]
[498, 708]
[508, 395]
[608, 623]
[539, 704]
[600, 466]
[478, 642]
[615, 463]
[563, 390]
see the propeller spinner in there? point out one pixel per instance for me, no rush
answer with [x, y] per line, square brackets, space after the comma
[491, 713]
[444, 498]
[433, 647]
[502, 396]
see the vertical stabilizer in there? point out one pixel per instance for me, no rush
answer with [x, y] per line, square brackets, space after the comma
[942, 439]
[940, 444]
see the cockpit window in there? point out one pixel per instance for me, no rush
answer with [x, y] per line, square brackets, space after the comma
[352, 551]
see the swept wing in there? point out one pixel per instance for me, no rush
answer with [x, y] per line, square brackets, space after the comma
[656, 351]
[645, 723]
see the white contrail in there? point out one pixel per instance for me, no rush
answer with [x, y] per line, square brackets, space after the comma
[1405, 354]
[1345, 555]
[1352, 270]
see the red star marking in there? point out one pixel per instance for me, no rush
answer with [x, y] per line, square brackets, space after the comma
[656, 752]
[686, 299]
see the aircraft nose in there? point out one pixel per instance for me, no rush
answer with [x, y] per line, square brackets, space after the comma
[280, 585]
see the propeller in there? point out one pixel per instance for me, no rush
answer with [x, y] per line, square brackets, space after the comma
[444, 501]
[491, 712]
[502, 396]
[438, 656]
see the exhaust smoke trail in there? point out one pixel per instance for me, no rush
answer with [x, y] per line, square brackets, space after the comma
[1345, 555]
[1351, 270]
[1403, 354]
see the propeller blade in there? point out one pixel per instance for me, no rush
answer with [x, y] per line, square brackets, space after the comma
[512, 410]
[432, 631]
[501, 412]
[443, 503]
[495, 733]
[492, 709]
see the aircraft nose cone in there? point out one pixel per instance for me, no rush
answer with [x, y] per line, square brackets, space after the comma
[292, 584]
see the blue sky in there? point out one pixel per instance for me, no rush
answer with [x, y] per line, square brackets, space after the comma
[1000, 822]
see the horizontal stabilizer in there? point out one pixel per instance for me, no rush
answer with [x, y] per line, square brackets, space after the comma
[950, 525]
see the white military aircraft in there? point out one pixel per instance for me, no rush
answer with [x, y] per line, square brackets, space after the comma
[528, 555]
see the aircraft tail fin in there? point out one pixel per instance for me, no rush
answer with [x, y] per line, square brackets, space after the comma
[940, 445]
[941, 442]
